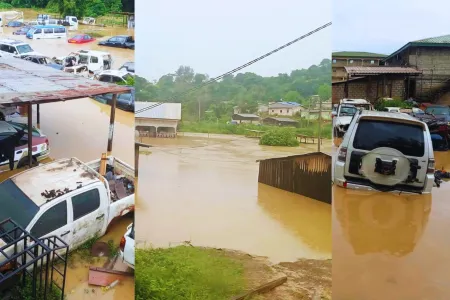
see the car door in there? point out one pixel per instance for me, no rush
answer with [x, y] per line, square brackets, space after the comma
[94, 64]
[54, 221]
[89, 216]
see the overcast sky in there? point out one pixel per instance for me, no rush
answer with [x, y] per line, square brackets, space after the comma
[214, 37]
[384, 26]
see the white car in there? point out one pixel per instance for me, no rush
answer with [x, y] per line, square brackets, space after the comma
[343, 114]
[113, 76]
[126, 246]
[15, 48]
[386, 152]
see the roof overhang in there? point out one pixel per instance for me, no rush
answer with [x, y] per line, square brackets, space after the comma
[375, 71]
[23, 82]
[416, 44]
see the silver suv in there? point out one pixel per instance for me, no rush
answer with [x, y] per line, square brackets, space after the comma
[386, 152]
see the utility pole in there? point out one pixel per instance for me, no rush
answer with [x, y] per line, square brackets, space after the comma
[320, 124]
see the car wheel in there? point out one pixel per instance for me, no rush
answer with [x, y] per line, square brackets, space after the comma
[24, 162]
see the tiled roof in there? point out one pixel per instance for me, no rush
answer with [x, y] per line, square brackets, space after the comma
[443, 39]
[380, 70]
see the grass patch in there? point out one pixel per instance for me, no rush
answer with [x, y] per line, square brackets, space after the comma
[186, 272]
[111, 20]
[280, 137]
[4, 6]
[26, 293]
[95, 34]
[84, 251]
[309, 129]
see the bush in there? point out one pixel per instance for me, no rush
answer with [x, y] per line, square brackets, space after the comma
[279, 137]
[4, 5]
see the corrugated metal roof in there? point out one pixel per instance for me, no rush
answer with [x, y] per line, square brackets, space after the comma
[168, 111]
[22, 82]
[358, 54]
[247, 115]
[380, 70]
[283, 119]
[443, 39]
[284, 105]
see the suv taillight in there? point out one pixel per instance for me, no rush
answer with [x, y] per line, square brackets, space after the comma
[431, 166]
[123, 241]
[342, 155]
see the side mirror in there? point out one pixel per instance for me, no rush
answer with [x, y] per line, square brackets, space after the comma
[334, 113]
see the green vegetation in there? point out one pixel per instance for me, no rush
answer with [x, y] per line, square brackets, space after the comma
[244, 90]
[79, 8]
[381, 104]
[26, 293]
[186, 272]
[279, 137]
[310, 128]
[130, 81]
[95, 34]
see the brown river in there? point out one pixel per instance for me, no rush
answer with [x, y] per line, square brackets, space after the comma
[205, 190]
[392, 247]
[79, 128]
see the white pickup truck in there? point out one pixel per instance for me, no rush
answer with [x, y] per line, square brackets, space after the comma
[68, 198]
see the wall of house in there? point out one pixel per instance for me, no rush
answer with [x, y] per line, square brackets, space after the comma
[157, 123]
[284, 111]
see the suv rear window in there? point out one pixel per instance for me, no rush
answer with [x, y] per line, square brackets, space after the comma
[407, 138]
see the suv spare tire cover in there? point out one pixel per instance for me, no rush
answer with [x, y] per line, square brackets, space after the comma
[401, 172]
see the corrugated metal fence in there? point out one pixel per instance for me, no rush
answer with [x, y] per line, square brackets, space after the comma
[308, 174]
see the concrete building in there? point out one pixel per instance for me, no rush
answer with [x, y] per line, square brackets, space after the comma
[343, 59]
[274, 121]
[432, 57]
[161, 120]
[284, 108]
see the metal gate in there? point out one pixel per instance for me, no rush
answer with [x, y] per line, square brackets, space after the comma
[29, 263]
[307, 175]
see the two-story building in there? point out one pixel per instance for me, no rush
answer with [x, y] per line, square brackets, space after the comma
[284, 108]
[343, 59]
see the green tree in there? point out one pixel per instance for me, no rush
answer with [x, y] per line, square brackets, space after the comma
[324, 91]
[292, 96]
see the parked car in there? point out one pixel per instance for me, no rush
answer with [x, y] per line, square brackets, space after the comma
[16, 48]
[41, 145]
[113, 76]
[392, 109]
[343, 114]
[124, 101]
[126, 246]
[15, 24]
[81, 39]
[83, 206]
[386, 152]
[93, 61]
[120, 41]
[128, 66]
[22, 31]
[6, 111]
[43, 60]
[440, 112]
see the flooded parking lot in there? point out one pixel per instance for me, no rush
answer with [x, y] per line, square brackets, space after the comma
[390, 246]
[205, 190]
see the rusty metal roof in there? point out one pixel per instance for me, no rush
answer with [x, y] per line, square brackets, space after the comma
[380, 70]
[23, 82]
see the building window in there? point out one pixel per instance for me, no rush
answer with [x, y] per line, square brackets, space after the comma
[281, 111]
[273, 110]
[372, 62]
[287, 110]
[334, 70]
[351, 61]
[334, 61]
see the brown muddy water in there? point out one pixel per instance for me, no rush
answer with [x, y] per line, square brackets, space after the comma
[60, 47]
[77, 287]
[205, 190]
[392, 247]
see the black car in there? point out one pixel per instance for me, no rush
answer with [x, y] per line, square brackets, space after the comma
[22, 31]
[128, 66]
[119, 41]
[124, 101]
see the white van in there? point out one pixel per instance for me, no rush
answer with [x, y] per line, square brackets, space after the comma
[386, 151]
[10, 47]
[93, 61]
[47, 32]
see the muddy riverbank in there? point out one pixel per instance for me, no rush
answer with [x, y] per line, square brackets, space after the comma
[389, 246]
[205, 190]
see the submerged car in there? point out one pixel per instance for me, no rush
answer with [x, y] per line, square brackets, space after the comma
[114, 76]
[386, 152]
[15, 24]
[81, 39]
[43, 60]
[440, 112]
[124, 101]
[22, 31]
[120, 41]
[128, 66]
[40, 142]
[126, 246]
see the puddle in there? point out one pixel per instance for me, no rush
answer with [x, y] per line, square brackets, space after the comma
[77, 287]
[60, 47]
[392, 247]
[205, 190]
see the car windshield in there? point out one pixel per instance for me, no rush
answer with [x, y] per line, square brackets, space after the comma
[348, 111]
[16, 205]
[406, 138]
[78, 37]
[24, 49]
[436, 110]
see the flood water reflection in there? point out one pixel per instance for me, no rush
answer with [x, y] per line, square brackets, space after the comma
[205, 190]
[390, 246]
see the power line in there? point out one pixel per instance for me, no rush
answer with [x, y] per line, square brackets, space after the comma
[236, 69]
